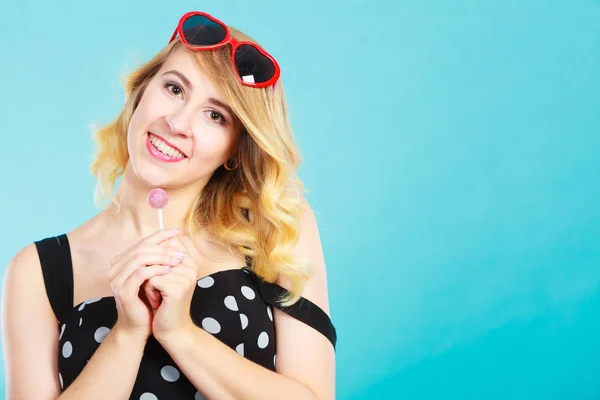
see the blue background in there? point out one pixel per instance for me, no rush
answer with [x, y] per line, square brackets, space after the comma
[451, 150]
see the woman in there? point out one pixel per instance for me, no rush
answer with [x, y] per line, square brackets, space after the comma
[230, 300]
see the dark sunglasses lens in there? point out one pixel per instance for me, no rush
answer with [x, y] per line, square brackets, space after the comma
[199, 30]
[253, 66]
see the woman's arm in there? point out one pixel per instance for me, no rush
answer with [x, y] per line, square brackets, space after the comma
[305, 358]
[111, 372]
[30, 344]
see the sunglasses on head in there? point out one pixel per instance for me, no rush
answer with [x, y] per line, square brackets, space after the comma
[254, 67]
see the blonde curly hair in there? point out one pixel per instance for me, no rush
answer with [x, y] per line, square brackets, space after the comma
[256, 209]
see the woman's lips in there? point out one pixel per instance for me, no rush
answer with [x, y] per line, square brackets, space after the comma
[159, 155]
[167, 142]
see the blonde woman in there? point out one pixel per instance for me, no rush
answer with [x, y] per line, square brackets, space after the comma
[230, 300]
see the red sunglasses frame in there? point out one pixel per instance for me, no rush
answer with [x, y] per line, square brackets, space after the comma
[235, 44]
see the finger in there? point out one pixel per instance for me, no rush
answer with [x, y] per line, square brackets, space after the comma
[161, 283]
[155, 238]
[176, 277]
[186, 270]
[152, 294]
[175, 243]
[119, 261]
[129, 266]
[142, 295]
[132, 285]
[160, 236]
[157, 248]
[171, 284]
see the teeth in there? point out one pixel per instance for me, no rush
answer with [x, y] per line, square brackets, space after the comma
[165, 148]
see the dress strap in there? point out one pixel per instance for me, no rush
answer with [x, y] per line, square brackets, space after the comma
[303, 310]
[57, 269]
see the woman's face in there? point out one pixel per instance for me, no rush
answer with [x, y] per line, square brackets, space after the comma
[182, 130]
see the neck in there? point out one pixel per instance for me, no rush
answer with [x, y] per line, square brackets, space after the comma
[136, 218]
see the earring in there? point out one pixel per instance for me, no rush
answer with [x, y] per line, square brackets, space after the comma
[230, 167]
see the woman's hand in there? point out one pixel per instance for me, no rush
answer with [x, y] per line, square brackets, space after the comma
[128, 271]
[171, 295]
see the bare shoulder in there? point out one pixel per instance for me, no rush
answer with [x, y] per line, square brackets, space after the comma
[309, 249]
[23, 288]
[23, 273]
[27, 253]
[303, 353]
[29, 329]
[24, 291]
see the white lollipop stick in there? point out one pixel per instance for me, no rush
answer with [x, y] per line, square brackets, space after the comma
[160, 219]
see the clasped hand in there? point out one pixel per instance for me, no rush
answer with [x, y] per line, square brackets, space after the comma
[153, 283]
[170, 295]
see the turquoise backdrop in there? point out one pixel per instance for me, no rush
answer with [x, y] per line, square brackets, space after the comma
[451, 150]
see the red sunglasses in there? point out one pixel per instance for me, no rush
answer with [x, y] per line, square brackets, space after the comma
[254, 66]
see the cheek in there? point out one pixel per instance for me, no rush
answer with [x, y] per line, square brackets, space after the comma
[150, 108]
[138, 119]
[134, 123]
[134, 132]
[214, 145]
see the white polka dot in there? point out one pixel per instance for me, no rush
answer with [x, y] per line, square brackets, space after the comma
[231, 303]
[248, 293]
[206, 282]
[148, 396]
[211, 325]
[80, 321]
[263, 340]
[269, 313]
[67, 350]
[198, 396]
[61, 381]
[101, 333]
[93, 300]
[244, 320]
[81, 306]
[240, 349]
[169, 374]
[62, 330]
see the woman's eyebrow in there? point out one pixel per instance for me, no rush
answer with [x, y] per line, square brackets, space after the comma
[181, 76]
[211, 100]
[219, 103]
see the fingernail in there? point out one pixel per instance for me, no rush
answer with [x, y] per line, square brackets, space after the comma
[176, 260]
[181, 253]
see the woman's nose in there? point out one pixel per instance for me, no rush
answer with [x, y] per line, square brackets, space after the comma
[180, 123]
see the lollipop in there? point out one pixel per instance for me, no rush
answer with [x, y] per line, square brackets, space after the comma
[158, 199]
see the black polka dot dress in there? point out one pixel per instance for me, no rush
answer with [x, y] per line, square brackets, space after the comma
[235, 306]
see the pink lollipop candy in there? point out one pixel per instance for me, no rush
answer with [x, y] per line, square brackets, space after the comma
[158, 199]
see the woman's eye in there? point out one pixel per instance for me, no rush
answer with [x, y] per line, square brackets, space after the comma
[174, 88]
[216, 116]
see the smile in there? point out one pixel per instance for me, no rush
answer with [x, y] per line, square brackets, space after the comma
[162, 151]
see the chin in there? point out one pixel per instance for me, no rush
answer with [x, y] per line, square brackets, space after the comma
[153, 180]
[151, 175]
[151, 172]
